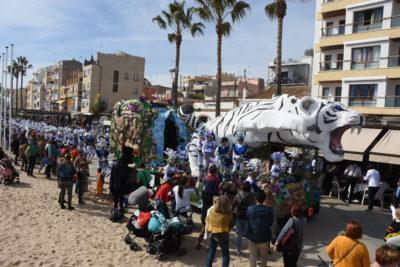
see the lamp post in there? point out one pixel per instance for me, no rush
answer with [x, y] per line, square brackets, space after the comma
[5, 100]
[1, 97]
[174, 89]
[11, 98]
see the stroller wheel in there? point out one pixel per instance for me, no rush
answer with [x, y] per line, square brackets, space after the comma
[128, 240]
[134, 246]
[182, 252]
[152, 250]
[161, 256]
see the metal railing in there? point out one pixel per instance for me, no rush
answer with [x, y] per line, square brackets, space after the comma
[392, 101]
[328, 1]
[382, 62]
[298, 80]
[361, 26]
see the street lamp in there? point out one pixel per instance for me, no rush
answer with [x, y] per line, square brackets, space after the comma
[174, 89]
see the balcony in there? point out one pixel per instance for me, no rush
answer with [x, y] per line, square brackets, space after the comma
[367, 101]
[332, 65]
[379, 63]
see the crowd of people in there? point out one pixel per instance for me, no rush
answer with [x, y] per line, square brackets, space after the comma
[245, 205]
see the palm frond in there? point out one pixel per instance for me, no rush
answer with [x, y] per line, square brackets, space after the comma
[161, 23]
[171, 37]
[226, 28]
[270, 10]
[197, 29]
[239, 10]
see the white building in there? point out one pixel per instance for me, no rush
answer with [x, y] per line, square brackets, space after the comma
[293, 72]
[357, 54]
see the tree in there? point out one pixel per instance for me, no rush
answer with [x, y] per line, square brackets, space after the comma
[15, 74]
[222, 13]
[178, 19]
[277, 10]
[23, 68]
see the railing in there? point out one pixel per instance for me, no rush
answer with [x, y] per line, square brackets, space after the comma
[300, 80]
[328, 1]
[387, 62]
[367, 101]
[361, 26]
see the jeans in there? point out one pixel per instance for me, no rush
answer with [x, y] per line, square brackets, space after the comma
[65, 186]
[31, 165]
[241, 230]
[371, 196]
[212, 249]
[255, 249]
[290, 260]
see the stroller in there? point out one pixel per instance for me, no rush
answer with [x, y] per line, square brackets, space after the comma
[8, 174]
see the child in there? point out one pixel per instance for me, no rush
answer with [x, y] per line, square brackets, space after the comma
[100, 181]
[239, 149]
[208, 150]
[222, 154]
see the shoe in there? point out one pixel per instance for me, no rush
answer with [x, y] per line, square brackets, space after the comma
[62, 207]
[70, 208]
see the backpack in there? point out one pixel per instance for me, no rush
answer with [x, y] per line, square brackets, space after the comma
[242, 209]
[157, 222]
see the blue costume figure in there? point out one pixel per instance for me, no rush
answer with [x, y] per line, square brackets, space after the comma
[222, 154]
[239, 149]
[208, 150]
[181, 151]
[200, 153]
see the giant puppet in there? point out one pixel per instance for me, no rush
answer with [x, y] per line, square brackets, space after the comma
[284, 119]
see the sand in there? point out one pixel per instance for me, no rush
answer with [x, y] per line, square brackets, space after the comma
[34, 231]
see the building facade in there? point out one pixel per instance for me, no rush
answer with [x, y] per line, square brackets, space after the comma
[293, 72]
[71, 94]
[357, 54]
[35, 95]
[110, 78]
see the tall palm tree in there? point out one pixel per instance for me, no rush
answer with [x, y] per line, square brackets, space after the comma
[23, 68]
[222, 13]
[178, 19]
[277, 10]
[15, 74]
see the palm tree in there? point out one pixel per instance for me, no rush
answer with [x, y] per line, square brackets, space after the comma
[221, 12]
[23, 68]
[15, 74]
[277, 10]
[178, 19]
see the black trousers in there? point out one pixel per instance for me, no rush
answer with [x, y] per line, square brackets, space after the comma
[350, 182]
[371, 196]
[31, 165]
[118, 200]
[290, 260]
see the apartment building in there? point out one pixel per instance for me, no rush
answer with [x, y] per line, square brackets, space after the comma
[110, 78]
[35, 94]
[56, 76]
[293, 72]
[70, 94]
[357, 54]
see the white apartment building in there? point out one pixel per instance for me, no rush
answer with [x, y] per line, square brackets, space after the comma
[110, 78]
[357, 54]
[36, 90]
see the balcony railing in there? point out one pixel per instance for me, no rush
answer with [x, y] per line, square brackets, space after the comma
[328, 1]
[361, 26]
[367, 101]
[387, 62]
[298, 80]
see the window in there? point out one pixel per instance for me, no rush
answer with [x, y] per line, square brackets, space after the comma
[366, 57]
[363, 94]
[136, 77]
[115, 81]
[339, 62]
[325, 92]
[368, 20]
[329, 28]
[338, 94]
[342, 26]
[327, 62]
[135, 92]
[126, 76]
[397, 96]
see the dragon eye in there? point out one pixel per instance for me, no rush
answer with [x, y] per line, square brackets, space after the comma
[338, 108]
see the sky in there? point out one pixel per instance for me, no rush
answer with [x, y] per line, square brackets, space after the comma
[47, 31]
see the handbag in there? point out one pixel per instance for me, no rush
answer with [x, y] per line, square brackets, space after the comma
[288, 241]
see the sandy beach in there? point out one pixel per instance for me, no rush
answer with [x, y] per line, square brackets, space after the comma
[34, 231]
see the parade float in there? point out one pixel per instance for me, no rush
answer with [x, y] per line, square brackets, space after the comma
[288, 121]
[146, 128]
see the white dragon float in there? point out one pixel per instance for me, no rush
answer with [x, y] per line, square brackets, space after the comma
[284, 119]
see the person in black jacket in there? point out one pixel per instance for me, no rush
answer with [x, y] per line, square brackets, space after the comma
[15, 148]
[119, 179]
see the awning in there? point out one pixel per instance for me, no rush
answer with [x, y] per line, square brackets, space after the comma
[387, 150]
[356, 143]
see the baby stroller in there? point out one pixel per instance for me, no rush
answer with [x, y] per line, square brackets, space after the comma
[8, 174]
[166, 237]
[137, 227]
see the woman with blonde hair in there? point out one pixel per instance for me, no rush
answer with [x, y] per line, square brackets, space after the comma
[218, 223]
